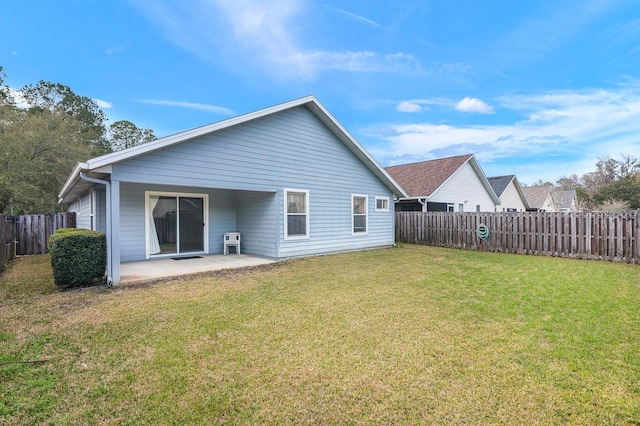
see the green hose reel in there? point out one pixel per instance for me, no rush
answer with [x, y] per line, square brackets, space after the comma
[482, 231]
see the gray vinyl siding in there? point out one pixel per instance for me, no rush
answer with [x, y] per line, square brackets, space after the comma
[289, 149]
[256, 218]
[82, 207]
[464, 185]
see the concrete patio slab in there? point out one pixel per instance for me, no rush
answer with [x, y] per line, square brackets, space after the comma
[150, 270]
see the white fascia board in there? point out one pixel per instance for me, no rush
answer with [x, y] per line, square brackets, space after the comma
[71, 180]
[483, 179]
[516, 183]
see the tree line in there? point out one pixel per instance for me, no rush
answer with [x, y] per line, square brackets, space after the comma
[613, 186]
[45, 129]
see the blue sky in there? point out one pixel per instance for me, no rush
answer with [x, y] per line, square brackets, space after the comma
[539, 89]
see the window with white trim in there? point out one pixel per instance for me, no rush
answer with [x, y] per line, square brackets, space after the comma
[296, 214]
[359, 214]
[382, 204]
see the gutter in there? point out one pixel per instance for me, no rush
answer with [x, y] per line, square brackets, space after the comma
[107, 184]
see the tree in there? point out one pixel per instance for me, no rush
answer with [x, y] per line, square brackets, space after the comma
[626, 189]
[627, 165]
[124, 134]
[38, 150]
[40, 144]
[59, 98]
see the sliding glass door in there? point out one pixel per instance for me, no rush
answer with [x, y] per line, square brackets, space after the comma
[176, 223]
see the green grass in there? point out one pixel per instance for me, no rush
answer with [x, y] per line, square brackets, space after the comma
[411, 335]
[26, 277]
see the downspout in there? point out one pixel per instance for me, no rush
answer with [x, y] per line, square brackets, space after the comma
[423, 203]
[107, 185]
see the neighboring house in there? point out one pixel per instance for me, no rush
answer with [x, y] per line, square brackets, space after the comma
[567, 200]
[453, 184]
[289, 178]
[509, 191]
[540, 198]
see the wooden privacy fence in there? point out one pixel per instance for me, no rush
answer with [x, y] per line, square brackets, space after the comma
[33, 231]
[604, 236]
[7, 251]
[30, 234]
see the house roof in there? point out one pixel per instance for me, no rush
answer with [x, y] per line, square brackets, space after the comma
[565, 198]
[500, 183]
[537, 195]
[100, 166]
[424, 178]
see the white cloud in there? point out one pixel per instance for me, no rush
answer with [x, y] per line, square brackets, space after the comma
[269, 35]
[358, 18]
[103, 104]
[191, 105]
[408, 106]
[573, 127]
[417, 105]
[474, 105]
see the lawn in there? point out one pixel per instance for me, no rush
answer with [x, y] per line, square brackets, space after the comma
[409, 335]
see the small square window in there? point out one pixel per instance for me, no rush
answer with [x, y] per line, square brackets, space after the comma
[382, 204]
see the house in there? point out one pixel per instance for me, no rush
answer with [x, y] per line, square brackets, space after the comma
[509, 191]
[567, 200]
[540, 198]
[289, 178]
[453, 184]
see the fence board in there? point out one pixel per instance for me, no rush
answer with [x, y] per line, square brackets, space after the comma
[614, 237]
[33, 231]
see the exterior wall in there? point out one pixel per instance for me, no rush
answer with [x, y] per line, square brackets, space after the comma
[549, 205]
[511, 199]
[257, 223]
[289, 149]
[464, 187]
[82, 207]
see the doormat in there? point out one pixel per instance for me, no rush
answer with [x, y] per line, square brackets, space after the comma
[187, 257]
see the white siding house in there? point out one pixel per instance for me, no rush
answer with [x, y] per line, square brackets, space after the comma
[509, 190]
[289, 178]
[540, 198]
[454, 184]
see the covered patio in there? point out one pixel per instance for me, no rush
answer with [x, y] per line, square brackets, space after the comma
[151, 270]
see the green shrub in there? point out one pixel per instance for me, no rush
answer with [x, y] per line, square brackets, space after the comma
[78, 256]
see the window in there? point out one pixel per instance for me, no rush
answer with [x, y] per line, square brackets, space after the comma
[450, 207]
[382, 204]
[359, 217]
[478, 208]
[296, 214]
[460, 207]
